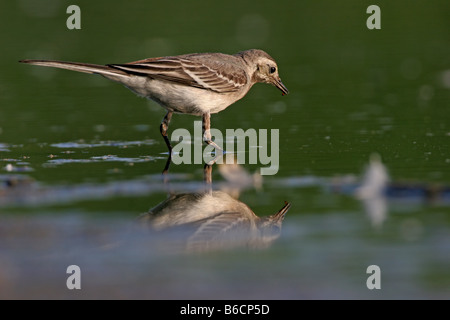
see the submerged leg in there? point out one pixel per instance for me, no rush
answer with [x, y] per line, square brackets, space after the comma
[166, 167]
[163, 129]
[207, 176]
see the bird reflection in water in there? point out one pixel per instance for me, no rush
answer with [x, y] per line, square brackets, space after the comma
[213, 219]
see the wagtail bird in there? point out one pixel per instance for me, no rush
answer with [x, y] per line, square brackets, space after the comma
[198, 84]
[215, 220]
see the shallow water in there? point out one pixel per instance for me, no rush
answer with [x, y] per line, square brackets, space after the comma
[81, 158]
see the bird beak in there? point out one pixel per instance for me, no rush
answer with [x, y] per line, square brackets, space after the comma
[277, 83]
[279, 216]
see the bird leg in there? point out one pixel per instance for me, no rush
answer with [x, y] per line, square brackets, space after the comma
[207, 138]
[163, 129]
[207, 131]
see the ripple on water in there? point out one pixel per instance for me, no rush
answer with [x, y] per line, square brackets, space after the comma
[4, 147]
[82, 145]
[22, 167]
[105, 158]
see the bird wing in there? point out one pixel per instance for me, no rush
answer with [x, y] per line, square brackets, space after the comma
[222, 228]
[210, 73]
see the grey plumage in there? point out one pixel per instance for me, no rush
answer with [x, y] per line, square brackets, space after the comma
[198, 84]
[215, 220]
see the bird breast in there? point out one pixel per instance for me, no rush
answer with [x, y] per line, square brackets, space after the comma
[181, 98]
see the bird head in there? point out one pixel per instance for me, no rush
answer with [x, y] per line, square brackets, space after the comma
[265, 68]
[270, 227]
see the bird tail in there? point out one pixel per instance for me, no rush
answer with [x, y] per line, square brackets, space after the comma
[106, 71]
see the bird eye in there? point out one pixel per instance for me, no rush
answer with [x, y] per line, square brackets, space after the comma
[273, 69]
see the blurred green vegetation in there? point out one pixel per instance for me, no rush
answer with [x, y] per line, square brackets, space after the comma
[354, 91]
